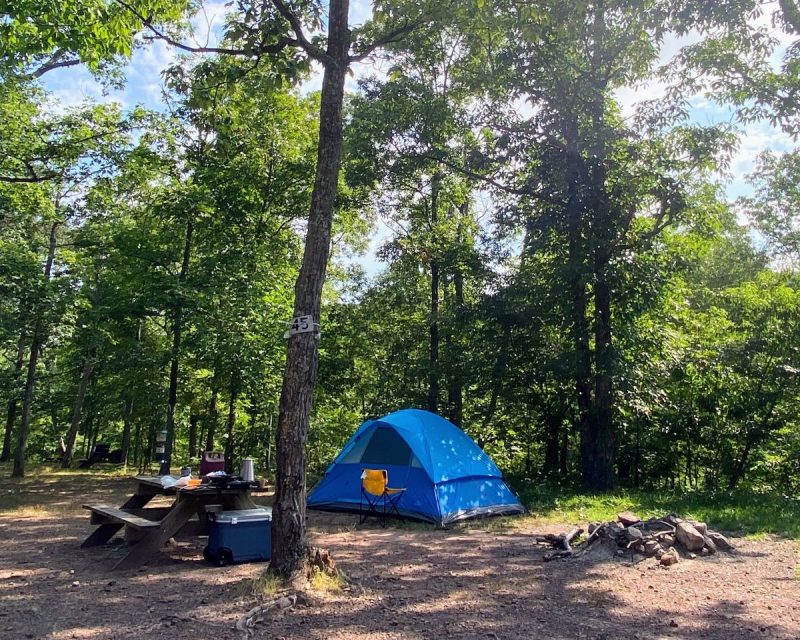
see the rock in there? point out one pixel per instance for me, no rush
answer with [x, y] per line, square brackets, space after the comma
[700, 526]
[667, 541]
[691, 555]
[673, 519]
[632, 533]
[651, 547]
[76, 583]
[627, 518]
[689, 537]
[593, 526]
[669, 558]
[720, 541]
[712, 548]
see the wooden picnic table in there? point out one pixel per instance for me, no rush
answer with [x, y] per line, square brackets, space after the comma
[149, 528]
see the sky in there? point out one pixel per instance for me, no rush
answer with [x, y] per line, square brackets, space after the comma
[73, 86]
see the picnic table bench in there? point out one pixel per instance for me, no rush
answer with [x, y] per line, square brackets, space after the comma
[147, 529]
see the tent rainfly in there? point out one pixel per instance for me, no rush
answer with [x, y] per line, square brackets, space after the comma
[446, 475]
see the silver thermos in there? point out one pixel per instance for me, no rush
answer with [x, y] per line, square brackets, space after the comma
[247, 471]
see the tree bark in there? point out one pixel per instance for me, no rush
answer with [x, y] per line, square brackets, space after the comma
[80, 396]
[30, 379]
[11, 413]
[433, 346]
[177, 327]
[289, 508]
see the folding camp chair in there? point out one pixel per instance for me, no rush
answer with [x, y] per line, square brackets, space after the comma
[376, 493]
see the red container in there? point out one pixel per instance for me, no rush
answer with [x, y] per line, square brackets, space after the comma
[212, 461]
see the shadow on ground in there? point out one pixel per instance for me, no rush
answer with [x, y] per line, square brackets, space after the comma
[471, 582]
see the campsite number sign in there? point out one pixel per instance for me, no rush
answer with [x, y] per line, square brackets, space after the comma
[301, 324]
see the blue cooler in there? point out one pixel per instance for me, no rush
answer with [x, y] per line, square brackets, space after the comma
[239, 536]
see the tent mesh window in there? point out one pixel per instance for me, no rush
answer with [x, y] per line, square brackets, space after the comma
[386, 447]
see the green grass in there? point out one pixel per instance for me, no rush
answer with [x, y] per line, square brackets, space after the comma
[742, 512]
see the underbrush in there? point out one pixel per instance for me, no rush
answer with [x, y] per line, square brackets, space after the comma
[742, 512]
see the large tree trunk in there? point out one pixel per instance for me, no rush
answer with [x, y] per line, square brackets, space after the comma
[11, 413]
[577, 277]
[30, 380]
[433, 346]
[80, 396]
[177, 328]
[598, 475]
[289, 508]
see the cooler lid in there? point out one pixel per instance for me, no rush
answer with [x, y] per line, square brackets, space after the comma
[244, 515]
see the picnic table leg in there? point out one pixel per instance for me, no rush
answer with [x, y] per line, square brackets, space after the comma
[155, 539]
[102, 534]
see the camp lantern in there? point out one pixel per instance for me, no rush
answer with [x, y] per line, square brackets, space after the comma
[161, 445]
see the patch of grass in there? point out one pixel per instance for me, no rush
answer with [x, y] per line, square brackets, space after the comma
[267, 584]
[743, 512]
[327, 583]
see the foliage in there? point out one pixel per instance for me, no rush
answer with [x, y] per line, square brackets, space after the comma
[561, 273]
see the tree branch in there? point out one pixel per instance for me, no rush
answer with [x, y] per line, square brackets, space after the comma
[302, 41]
[392, 36]
[156, 34]
[28, 179]
[55, 62]
[517, 191]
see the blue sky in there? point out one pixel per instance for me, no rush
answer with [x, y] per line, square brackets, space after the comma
[72, 86]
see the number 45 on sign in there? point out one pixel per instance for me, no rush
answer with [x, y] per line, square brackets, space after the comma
[302, 324]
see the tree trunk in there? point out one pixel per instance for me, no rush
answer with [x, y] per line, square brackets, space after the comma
[599, 475]
[268, 460]
[211, 418]
[30, 379]
[177, 327]
[552, 442]
[12, 401]
[129, 397]
[289, 508]
[229, 428]
[433, 349]
[577, 277]
[193, 419]
[80, 396]
[455, 394]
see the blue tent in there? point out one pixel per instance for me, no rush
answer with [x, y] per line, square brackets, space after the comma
[447, 476]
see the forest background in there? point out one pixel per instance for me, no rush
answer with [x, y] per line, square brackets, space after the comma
[565, 256]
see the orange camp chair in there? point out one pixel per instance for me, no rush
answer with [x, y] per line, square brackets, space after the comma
[376, 493]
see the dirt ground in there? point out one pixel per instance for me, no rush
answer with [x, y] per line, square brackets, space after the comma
[486, 580]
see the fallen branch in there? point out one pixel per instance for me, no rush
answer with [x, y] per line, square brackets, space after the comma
[249, 620]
